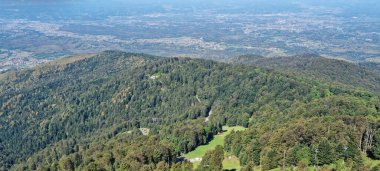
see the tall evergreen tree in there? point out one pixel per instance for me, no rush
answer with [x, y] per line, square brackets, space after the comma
[212, 160]
[256, 153]
[376, 145]
[326, 153]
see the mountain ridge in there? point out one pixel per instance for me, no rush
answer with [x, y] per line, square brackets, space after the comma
[320, 68]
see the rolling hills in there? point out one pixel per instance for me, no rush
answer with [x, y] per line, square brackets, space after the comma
[332, 71]
[86, 114]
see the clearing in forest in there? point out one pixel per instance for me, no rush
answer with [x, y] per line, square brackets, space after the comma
[229, 162]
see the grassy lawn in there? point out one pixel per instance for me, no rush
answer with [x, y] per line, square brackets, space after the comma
[218, 140]
[231, 163]
[196, 164]
[228, 163]
[200, 151]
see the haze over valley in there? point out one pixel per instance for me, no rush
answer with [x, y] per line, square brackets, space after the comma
[34, 32]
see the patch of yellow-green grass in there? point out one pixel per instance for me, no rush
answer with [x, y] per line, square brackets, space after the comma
[200, 151]
[157, 75]
[145, 131]
[370, 162]
[196, 164]
[231, 162]
[236, 128]
[228, 163]
[287, 169]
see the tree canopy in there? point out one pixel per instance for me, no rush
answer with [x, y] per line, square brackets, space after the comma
[126, 111]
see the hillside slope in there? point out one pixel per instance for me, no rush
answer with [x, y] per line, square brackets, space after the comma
[318, 68]
[87, 114]
[371, 65]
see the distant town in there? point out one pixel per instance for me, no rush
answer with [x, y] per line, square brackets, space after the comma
[201, 33]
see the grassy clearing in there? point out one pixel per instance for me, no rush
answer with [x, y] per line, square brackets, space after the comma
[196, 164]
[218, 140]
[231, 163]
[145, 131]
[370, 162]
[228, 163]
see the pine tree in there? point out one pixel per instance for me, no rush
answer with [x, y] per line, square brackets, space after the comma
[249, 167]
[66, 164]
[301, 153]
[326, 154]
[213, 160]
[162, 166]
[376, 145]
[341, 151]
[339, 165]
[256, 153]
[353, 152]
[269, 160]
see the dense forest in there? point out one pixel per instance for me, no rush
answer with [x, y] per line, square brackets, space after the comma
[331, 71]
[125, 111]
[372, 65]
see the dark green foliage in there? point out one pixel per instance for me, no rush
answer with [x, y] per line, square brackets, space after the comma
[182, 166]
[270, 159]
[66, 164]
[162, 166]
[341, 151]
[364, 76]
[86, 115]
[371, 65]
[299, 138]
[256, 152]
[376, 168]
[352, 151]
[325, 153]
[376, 145]
[249, 167]
[212, 160]
[300, 153]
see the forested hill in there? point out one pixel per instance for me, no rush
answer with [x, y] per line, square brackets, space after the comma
[372, 65]
[363, 75]
[124, 111]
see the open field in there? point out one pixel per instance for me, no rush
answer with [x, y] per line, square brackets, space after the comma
[231, 163]
[218, 140]
[228, 163]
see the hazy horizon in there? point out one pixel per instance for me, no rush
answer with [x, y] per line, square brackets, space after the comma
[43, 30]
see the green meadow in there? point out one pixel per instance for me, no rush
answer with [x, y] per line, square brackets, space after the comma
[229, 162]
